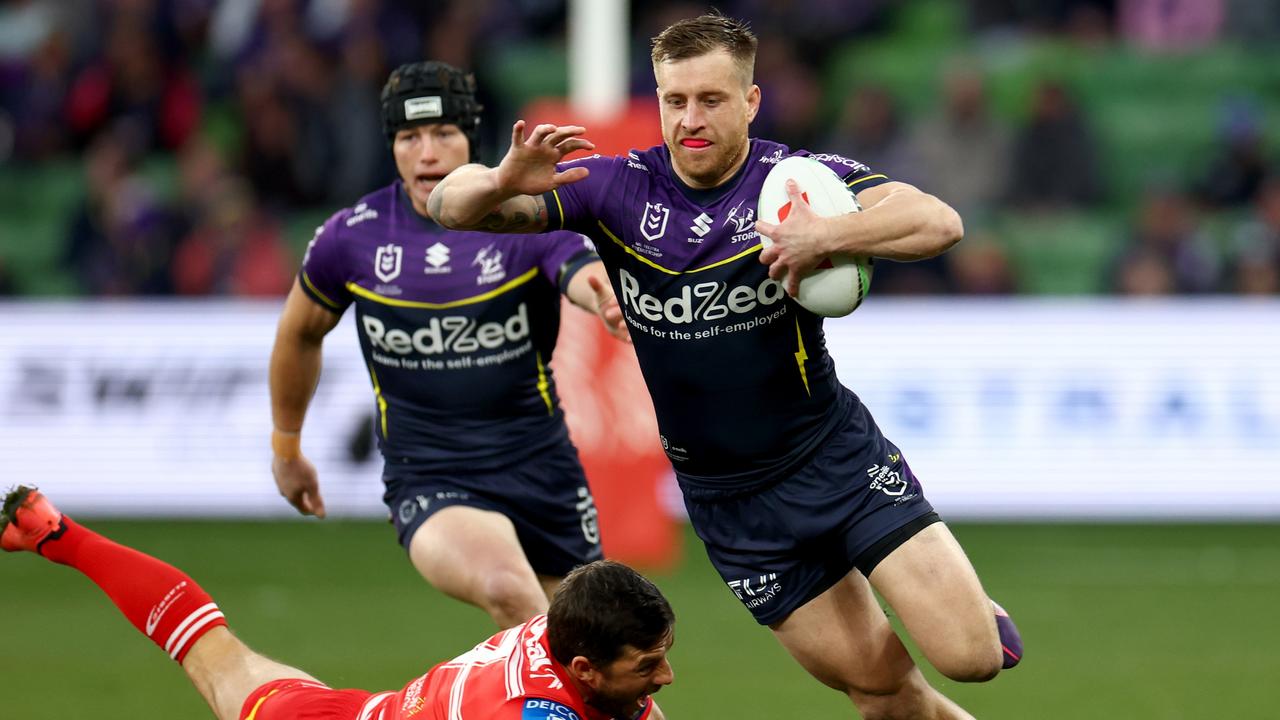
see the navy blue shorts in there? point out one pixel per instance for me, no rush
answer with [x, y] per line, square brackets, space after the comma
[849, 506]
[546, 497]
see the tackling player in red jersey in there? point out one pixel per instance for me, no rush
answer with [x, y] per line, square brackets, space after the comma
[599, 653]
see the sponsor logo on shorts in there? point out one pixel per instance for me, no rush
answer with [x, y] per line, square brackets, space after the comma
[757, 591]
[887, 480]
[409, 508]
[586, 507]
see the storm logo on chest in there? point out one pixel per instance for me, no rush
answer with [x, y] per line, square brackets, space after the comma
[490, 261]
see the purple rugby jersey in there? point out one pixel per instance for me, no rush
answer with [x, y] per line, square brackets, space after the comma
[739, 373]
[457, 328]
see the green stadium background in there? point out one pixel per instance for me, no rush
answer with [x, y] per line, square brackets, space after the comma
[1122, 619]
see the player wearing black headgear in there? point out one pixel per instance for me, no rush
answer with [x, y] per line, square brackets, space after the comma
[431, 92]
[457, 330]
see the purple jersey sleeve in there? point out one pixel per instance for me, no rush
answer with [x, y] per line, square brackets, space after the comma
[323, 277]
[577, 205]
[856, 175]
[566, 254]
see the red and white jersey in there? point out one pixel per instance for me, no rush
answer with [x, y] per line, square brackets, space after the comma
[510, 676]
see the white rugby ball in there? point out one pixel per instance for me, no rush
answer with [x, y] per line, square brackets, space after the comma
[837, 286]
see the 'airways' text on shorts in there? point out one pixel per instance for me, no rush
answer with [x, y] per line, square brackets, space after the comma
[451, 333]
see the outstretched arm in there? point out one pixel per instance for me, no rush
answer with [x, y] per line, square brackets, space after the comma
[292, 377]
[899, 223]
[589, 289]
[508, 198]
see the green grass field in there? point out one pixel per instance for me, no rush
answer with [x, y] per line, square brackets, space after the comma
[1121, 622]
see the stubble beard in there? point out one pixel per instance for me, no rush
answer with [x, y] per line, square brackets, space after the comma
[725, 156]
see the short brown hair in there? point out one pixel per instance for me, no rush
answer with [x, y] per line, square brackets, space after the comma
[698, 36]
[601, 608]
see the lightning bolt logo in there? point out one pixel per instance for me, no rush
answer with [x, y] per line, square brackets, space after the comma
[801, 356]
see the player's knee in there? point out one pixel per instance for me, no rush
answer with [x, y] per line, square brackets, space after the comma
[904, 700]
[873, 682]
[511, 596]
[978, 662]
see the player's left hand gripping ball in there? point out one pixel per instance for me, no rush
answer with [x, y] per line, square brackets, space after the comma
[803, 189]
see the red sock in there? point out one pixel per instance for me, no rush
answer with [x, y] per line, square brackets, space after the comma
[163, 602]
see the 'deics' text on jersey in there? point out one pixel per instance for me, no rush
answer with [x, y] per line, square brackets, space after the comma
[739, 373]
[457, 328]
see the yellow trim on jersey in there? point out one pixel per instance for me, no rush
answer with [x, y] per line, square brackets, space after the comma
[254, 712]
[668, 271]
[801, 356]
[382, 402]
[543, 384]
[851, 183]
[559, 207]
[509, 285]
[319, 294]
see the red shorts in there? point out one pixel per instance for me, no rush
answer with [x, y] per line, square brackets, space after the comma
[295, 699]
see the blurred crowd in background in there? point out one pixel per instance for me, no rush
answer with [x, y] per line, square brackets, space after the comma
[190, 147]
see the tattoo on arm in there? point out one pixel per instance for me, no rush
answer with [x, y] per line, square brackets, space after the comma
[520, 214]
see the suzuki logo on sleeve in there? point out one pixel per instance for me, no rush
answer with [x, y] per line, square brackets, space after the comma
[653, 224]
[386, 264]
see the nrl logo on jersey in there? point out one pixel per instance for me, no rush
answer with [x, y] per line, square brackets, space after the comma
[490, 262]
[386, 263]
[653, 223]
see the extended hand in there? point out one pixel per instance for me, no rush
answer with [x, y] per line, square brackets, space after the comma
[608, 309]
[297, 481]
[799, 242]
[529, 167]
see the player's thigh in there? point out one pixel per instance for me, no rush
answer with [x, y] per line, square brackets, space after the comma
[932, 586]
[843, 639]
[550, 584]
[460, 547]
